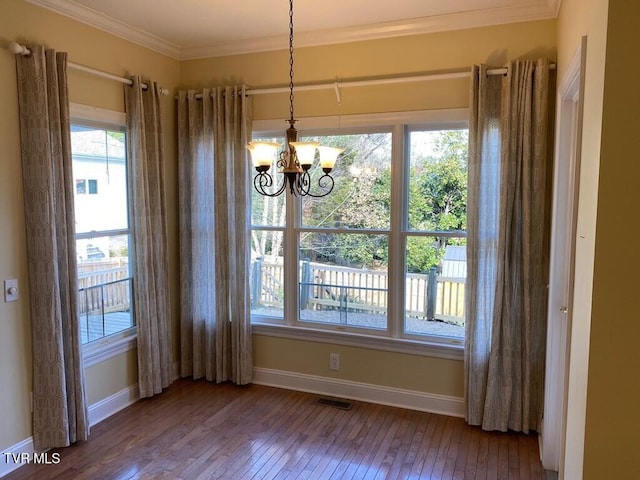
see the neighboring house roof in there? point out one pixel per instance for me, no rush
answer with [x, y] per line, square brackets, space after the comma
[92, 143]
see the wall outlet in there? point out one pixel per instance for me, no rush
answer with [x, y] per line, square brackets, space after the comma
[334, 361]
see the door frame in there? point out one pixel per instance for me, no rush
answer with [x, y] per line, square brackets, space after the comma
[569, 116]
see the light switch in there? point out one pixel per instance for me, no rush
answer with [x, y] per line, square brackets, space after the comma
[11, 293]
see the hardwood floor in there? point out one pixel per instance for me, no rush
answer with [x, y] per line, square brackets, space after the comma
[199, 430]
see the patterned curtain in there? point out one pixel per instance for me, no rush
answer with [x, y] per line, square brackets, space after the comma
[508, 246]
[59, 401]
[149, 229]
[214, 231]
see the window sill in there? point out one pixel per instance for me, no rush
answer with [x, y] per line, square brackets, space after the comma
[108, 347]
[399, 345]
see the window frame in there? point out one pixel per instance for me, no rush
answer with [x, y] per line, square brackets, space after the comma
[400, 124]
[113, 345]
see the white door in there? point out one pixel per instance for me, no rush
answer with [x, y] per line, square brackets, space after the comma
[561, 275]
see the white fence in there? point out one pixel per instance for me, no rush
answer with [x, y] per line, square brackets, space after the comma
[104, 286]
[328, 287]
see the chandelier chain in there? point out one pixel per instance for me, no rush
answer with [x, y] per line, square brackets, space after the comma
[291, 58]
[295, 164]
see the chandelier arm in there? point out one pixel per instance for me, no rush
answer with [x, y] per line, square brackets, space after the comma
[303, 183]
[264, 180]
[325, 182]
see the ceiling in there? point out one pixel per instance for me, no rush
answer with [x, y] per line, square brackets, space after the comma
[186, 29]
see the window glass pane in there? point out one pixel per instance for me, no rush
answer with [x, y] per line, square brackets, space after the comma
[361, 197]
[343, 279]
[104, 282]
[100, 172]
[438, 180]
[269, 211]
[267, 273]
[436, 272]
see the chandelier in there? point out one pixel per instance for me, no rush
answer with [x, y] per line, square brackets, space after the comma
[296, 158]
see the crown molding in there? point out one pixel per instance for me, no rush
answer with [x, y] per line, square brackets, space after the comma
[417, 26]
[110, 25]
[440, 23]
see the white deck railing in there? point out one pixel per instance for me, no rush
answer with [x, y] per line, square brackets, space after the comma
[322, 286]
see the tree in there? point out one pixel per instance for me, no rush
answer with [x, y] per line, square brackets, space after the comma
[361, 199]
[267, 211]
[437, 195]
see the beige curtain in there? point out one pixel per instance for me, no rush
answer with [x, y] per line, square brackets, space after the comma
[149, 229]
[215, 323]
[59, 400]
[508, 246]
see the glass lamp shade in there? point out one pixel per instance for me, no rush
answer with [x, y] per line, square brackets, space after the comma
[328, 156]
[305, 151]
[262, 153]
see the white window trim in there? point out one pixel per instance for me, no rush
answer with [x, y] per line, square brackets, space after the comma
[105, 348]
[87, 113]
[427, 347]
[113, 345]
[432, 346]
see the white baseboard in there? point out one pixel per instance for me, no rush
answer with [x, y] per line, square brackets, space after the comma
[113, 404]
[7, 465]
[395, 397]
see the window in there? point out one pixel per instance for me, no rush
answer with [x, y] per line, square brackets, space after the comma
[93, 186]
[103, 236]
[382, 256]
[81, 186]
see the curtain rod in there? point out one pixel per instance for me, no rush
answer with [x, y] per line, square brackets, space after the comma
[370, 82]
[357, 83]
[379, 81]
[18, 49]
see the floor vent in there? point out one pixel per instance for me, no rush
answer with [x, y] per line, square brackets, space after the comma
[332, 402]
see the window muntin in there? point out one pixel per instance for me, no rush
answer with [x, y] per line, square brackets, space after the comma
[405, 235]
[103, 236]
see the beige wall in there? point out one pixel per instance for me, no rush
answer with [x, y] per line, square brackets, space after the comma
[405, 55]
[612, 436]
[24, 22]
[449, 51]
[113, 376]
[364, 365]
